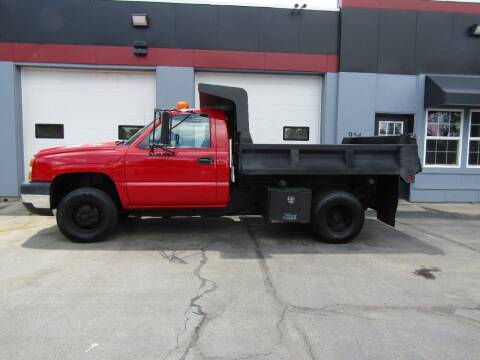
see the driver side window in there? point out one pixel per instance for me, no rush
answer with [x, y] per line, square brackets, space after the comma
[189, 131]
[192, 132]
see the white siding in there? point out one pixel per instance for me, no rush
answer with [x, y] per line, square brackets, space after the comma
[90, 103]
[274, 101]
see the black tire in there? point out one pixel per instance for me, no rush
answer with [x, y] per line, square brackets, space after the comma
[337, 217]
[86, 215]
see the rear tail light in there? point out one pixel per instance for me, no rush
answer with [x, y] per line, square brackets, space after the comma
[410, 179]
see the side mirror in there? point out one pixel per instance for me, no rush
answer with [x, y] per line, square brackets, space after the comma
[165, 128]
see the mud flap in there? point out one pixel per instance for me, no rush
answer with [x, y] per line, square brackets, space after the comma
[387, 199]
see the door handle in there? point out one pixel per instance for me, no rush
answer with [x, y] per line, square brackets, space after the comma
[205, 161]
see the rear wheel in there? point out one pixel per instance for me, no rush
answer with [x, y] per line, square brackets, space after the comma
[86, 215]
[337, 217]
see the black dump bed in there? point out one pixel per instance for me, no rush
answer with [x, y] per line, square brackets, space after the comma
[377, 155]
[356, 156]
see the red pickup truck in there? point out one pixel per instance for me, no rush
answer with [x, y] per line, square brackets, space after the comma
[203, 162]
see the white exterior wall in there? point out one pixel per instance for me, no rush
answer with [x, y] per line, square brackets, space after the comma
[89, 103]
[275, 101]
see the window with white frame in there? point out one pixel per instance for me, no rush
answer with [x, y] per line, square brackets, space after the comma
[390, 128]
[474, 139]
[443, 137]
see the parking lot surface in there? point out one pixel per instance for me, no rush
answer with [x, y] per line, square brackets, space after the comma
[237, 288]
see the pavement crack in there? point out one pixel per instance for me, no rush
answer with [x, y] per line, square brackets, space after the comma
[268, 282]
[195, 308]
[173, 258]
[306, 340]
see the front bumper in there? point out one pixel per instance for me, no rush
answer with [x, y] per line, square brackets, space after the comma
[36, 197]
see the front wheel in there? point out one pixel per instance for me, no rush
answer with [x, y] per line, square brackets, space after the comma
[337, 217]
[86, 215]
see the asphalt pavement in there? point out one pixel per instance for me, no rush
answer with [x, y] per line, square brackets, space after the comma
[237, 288]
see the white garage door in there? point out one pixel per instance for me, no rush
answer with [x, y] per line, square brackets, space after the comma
[275, 102]
[90, 104]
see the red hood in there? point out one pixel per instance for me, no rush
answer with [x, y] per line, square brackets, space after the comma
[110, 145]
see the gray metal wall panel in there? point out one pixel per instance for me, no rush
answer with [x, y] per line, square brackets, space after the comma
[99, 22]
[9, 181]
[328, 132]
[279, 30]
[396, 43]
[453, 196]
[356, 104]
[359, 40]
[450, 181]
[235, 21]
[175, 84]
[397, 93]
[200, 33]
[313, 30]
[434, 43]
[408, 42]
[466, 48]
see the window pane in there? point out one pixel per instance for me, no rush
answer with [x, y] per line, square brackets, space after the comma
[475, 118]
[433, 130]
[187, 132]
[454, 129]
[391, 128]
[49, 131]
[452, 145]
[398, 128]
[441, 158]
[431, 145]
[444, 123]
[451, 158]
[125, 132]
[474, 152]
[194, 132]
[474, 159]
[430, 159]
[442, 152]
[475, 131]
[474, 146]
[433, 117]
[441, 145]
[382, 128]
[296, 133]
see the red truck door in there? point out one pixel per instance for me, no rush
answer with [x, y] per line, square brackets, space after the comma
[186, 178]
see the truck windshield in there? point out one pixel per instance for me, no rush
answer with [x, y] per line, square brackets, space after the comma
[137, 134]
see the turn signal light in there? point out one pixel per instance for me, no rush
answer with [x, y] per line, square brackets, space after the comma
[30, 165]
[182, 105]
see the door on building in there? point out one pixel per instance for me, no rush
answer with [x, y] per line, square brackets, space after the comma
[395, 124]
[69, 107]
[282, 108]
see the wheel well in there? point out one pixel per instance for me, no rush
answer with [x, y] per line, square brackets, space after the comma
[66, 183]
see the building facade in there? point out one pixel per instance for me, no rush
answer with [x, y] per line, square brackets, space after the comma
[82, 72]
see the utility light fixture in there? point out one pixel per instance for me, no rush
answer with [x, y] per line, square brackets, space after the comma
[297, 8]
[140, 20]
[475, 30]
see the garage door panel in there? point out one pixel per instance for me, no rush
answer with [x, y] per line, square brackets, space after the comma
[275, 101]
[89, 103]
